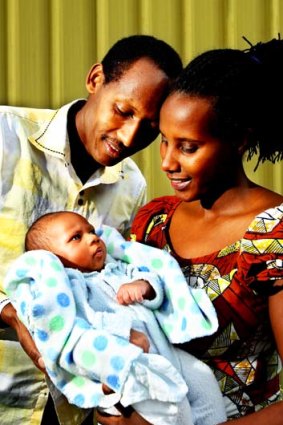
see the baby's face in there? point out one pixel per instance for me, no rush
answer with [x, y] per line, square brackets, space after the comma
[73, 239]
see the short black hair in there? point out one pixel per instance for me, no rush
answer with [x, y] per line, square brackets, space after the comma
[242, 87]
[128, 50]
[37, 236]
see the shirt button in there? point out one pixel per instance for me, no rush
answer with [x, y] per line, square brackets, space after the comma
[80, 201]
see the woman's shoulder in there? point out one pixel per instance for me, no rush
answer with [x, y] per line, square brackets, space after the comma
[163, 203]
[267, 221]
[153, 216]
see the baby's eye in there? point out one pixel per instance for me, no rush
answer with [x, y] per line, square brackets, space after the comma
[76, 237]
[92, 231]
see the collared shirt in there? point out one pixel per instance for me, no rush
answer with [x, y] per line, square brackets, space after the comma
[37, 177]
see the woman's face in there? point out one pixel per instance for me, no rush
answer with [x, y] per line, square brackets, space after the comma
[196, 162]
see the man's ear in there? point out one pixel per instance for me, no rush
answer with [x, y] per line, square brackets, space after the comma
[95, 78]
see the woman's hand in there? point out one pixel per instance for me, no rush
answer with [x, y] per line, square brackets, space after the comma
[10, 317]
[139, 339]
[134, 419]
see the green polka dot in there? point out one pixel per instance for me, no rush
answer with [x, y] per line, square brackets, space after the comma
[55, 265]
[107, 232]
[206, 324]
[79, 381]
[126, 258]
[56, 324]
[167, 329]
[51, 282]
[31, 261]
[198, 296]
[110, 248]
[88, 358]
[157, 263]
[168, 293]
[181, 303]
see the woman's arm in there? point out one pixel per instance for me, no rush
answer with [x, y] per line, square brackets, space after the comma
[276, 317]
[272, 414]
[134, 419]
[269, 415]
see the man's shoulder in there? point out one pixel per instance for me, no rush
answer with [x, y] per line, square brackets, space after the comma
[21, 114]
[130, 164]
[130, 168]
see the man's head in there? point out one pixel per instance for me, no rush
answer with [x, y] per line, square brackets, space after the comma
[126, 90]
[69, 236]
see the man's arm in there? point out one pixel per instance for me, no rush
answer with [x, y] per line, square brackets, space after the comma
[10, 318]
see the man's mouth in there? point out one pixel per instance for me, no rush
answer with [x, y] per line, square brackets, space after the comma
[113, 148]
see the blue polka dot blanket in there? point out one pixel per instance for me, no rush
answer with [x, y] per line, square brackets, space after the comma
[83, 334]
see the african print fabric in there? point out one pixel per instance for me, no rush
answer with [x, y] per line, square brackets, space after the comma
[238, 280]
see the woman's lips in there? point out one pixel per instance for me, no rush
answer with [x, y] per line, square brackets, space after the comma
[180, 184]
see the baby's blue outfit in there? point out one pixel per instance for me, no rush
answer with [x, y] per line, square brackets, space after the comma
[83, 333]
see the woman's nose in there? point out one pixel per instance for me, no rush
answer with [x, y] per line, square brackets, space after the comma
[169, 161]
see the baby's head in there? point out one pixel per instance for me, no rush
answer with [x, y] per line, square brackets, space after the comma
[69, 236]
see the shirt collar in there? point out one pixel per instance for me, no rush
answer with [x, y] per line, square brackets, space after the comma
[53, 139]
[52, 136]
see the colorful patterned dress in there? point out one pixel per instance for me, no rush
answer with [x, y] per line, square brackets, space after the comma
[238, 279]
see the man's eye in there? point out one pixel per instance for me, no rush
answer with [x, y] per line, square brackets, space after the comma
[123, 112]
[163, 140]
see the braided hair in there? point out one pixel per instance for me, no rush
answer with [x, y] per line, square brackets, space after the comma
[242, 87]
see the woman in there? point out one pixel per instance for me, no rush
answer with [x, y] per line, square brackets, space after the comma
[226, 231]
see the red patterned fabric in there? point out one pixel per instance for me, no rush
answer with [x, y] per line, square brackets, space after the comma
[238, 280]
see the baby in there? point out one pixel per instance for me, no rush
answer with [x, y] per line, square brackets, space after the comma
[81, 306]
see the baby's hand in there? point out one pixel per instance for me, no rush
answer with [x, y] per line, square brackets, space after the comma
[134, 292]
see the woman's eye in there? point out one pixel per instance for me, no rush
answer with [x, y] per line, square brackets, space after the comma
[189, 148]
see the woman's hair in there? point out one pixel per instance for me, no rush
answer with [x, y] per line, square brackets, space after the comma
[245, 89]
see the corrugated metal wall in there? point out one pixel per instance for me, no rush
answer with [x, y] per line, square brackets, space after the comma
[47, 47]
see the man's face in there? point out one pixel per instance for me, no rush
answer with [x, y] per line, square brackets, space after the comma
[122, 117]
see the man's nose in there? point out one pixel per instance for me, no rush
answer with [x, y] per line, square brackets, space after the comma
[128, 133]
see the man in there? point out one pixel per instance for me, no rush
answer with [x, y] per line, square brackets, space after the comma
[76, 159]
